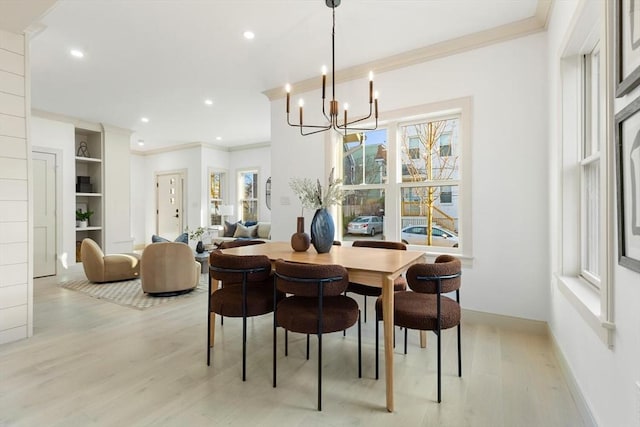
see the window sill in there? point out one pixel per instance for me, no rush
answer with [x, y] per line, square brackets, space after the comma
[586, 301]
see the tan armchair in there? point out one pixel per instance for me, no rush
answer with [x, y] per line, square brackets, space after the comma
[168, 269]
[100, 268]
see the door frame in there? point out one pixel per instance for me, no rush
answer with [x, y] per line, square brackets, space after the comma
[183, 175]
[58, 204]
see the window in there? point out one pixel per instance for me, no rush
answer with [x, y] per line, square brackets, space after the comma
[584, 248]
[590, 170]
[409, 172]
[248, 199]
[216, 196]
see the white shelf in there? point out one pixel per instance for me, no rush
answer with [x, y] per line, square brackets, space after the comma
[88, 228]
[88, 160]
[88, 194]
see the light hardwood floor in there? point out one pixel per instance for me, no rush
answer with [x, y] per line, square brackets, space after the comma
[96, 363]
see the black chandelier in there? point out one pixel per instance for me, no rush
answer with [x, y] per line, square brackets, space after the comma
[332, 118]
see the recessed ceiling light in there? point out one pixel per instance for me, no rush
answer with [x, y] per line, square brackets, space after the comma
[218, 138]
[144, 120]
[141, 142]
[76, 53]
[208, 102]
[249, 35]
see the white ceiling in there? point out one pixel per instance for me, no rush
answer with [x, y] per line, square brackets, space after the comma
[162, 58]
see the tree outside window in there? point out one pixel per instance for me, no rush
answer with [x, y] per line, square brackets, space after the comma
[249, 195]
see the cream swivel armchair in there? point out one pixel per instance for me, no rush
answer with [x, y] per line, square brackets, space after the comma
[168, 269]
[100, 268]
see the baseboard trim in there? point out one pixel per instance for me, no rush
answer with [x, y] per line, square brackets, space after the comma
[574, 389]
[537, 327]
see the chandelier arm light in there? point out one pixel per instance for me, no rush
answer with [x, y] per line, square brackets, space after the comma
[332, 117]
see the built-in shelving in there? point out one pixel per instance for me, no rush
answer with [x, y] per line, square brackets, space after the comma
[89, 184]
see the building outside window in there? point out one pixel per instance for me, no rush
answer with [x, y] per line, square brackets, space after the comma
[217, 183]
[248, 195]
[416, 166]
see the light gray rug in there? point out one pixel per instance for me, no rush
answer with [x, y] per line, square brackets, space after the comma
[128, 293]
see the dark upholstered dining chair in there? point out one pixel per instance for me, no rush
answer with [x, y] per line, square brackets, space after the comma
[424, 307]
[400, 283]
[316, 306]
[247, 292]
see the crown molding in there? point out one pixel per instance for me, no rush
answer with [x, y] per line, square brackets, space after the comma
[250, 146]
[513, 30]
[208, 145]
[76, 122]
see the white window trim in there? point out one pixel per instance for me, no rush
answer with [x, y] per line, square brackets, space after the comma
[594, 305]
[459, 106]
[239, 190]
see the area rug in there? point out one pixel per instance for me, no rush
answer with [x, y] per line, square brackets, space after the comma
[128, 293]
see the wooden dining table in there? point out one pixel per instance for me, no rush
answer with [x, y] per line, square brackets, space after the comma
[368, 266]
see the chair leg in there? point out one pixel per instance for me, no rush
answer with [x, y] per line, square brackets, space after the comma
[275, 330]
[307, 346]
[286, 342]
[377, 339]
[405, 340]
[209, 340]
[244, 348]
[320, 371]
[459, 354]
[365, 309]
[359, 347]
[439, 367]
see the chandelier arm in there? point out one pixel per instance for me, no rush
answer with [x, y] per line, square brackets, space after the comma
[349, 128]
[323, 129]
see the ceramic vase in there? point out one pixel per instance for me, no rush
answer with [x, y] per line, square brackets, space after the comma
[199, 247]
[322, 231]
[300, 240]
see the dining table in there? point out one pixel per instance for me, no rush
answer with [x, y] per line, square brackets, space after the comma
[370, 266]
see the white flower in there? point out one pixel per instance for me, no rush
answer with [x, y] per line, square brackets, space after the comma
[313, 196]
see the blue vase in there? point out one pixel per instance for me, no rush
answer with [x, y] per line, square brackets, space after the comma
[322, 231]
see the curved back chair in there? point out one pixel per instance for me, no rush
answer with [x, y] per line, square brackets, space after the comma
[101, 268]
[247, 292]
[316, 306]
[425, 308]
[169, 268]
[400, 284]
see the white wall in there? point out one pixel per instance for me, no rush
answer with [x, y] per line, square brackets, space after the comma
[605, 377]
[16, 284]
[508, 85]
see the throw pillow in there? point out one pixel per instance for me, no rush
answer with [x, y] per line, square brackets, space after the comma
[250, 223]
[229, 228]
[264, 230]
[243, 231]
[183, 238]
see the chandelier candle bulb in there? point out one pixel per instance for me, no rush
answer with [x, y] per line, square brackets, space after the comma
[288, 89]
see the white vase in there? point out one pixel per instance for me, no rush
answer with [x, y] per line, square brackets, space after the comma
[82, 224]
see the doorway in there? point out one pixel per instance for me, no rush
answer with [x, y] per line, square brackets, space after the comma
[169, 204]
[44, 214]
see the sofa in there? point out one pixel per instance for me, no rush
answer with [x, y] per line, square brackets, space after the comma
[246, 231]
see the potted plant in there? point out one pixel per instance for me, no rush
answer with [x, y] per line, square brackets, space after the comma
[197, 236]
[82, 218]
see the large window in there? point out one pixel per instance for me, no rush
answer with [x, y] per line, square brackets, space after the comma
[409, 173]
[590, 170]
[217, 191]
[248, 195]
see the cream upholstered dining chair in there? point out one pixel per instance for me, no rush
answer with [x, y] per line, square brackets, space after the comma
[101, 268]
[169, 268]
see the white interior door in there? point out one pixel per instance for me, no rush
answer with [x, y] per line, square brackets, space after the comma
[44, 214]
[169, 205]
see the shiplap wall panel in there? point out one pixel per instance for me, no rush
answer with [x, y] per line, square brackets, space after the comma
[13, 189]
[14, 232]
[13, 274]
[14, 195]
[11, 83]
[13, 296]
[11, 147]
[13, 105]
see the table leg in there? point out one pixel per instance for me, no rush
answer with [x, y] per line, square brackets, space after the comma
[423, 339]
[387, 309]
